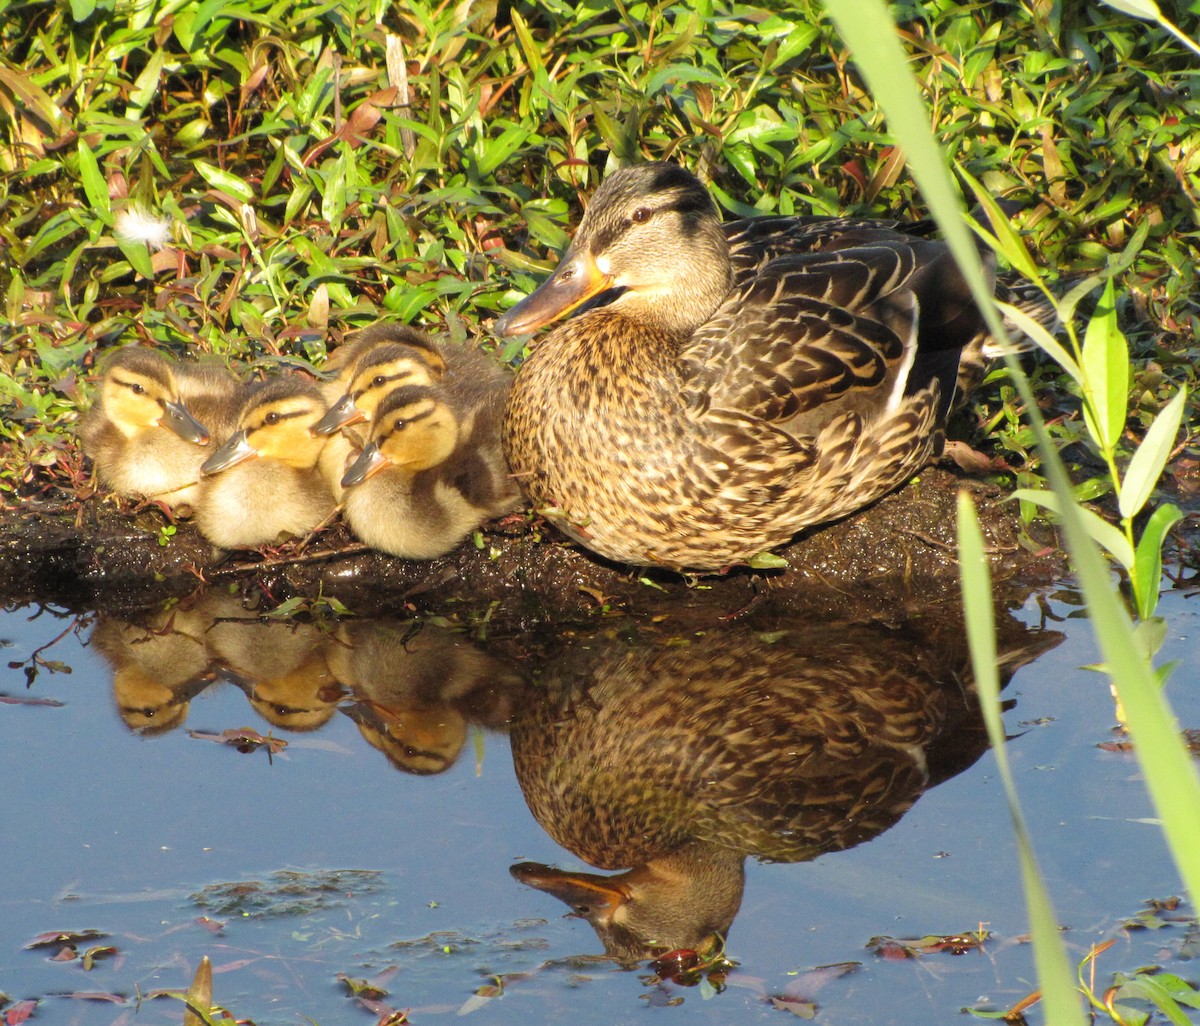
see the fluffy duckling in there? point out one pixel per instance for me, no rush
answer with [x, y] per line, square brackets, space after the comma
[380, 368]
[264, 481]
[155, 423]
[431, 472]
[383, 369]
[424, 364]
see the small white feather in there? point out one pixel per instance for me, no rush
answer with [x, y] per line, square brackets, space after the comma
[134, 224]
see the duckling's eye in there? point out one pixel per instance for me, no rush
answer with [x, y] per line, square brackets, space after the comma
[137, 389]
[641, 215]
[378, 381]
[271, 418]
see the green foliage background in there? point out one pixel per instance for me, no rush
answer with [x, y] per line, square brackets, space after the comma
[307, 197]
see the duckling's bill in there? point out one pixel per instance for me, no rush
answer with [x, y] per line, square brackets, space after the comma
[370, 461]
[576, 280]
[234, 450]
[340, 414]
[179, 419]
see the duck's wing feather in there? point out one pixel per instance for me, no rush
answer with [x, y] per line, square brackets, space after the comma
[810, 337]
[755, 242]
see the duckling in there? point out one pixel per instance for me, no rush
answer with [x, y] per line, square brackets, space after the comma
[383, 366]
[411, 358]
[264, 481]
[144, 434]
[432, 470]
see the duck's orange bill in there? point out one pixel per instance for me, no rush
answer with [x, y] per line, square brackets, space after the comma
[572, 284]
[590, 895]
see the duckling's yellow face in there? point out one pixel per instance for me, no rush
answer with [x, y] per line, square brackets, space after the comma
[141, 394]
[415, 430]
[382, 371]
[651, 233]
[275, 424]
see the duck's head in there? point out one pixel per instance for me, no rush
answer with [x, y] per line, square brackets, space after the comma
[140, 391]
[380, 371]
[653, 237]
[684, 900]
[414, 429]
[276, 423]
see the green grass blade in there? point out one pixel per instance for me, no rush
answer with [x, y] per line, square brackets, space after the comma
[1050, 955]
[1170, 776]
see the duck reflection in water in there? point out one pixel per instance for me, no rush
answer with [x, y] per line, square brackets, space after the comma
[675, 762]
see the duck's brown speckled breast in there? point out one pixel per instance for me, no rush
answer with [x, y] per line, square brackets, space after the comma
[598, 437]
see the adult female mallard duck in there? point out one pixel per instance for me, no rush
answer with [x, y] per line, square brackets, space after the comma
[154, 424]
[432, 470]
[264, 481]
[728, 384]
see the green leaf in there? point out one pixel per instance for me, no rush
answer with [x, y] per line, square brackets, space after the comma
[1042, 338]
[1147, 560]
[1145, 9]
[224, 181]
[1099, 530]
[146, 88]
[1010, 245]
[1151, 457]
[1148, 989]
[94, 185]
[767, 561]
[138, 256]
[1105, 365]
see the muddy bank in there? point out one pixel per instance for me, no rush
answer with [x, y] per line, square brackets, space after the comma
[898, 553]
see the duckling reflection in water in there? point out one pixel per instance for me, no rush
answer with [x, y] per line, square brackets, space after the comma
[154, 424]
[264, 482]
[675, 763]
[417, 688]
[280, 666]
[159, 665]
[431, 472]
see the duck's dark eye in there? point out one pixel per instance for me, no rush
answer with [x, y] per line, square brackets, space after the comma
[138, 389]
[378, 381]
[641, 215]
[271, 418]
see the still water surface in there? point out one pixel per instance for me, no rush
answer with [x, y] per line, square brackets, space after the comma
[378, 844]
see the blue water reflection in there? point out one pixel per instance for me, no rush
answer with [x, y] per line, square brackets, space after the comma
[122, 814]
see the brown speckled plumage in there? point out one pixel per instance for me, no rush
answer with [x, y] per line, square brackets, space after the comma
[745, 381]
[673, 761]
